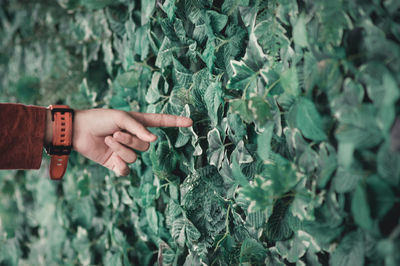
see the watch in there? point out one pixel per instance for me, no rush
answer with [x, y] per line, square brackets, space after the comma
[62, 117]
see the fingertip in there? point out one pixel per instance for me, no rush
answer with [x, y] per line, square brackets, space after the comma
[108, 139]
[126, 171]
[117, 134]
[189, 122]
[185, 122]
[152, 137]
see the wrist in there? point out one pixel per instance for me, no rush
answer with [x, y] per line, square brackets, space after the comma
[48, 134]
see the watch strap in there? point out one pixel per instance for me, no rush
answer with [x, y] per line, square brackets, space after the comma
[60, 148]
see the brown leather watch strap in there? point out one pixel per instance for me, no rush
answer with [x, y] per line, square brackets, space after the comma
[62, 117]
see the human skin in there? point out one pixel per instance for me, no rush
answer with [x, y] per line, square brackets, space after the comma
[110, 137]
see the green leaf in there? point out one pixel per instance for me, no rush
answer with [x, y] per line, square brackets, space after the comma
[380, 196]
[183, 231]
[237, 174]
[289, 82]
[264, 141]
[83, 185]
[241, 154]
[300, 32]
[327, 163]
[169, 8]
[208, 54]
[239, 106]
[216, 20]
[243, 77]
[230, 6]
[252, 252]
[96, 4]
[142, 42]
[388, 164]
[216, 149]
[350, 251]
[153, 93]
[112, 259]
[152, 219]
[129, 79]
[260, 109]
[277, 228]
[213, 99]
[346, 180]
[165, 53]
[360, 208]
[359, 127]
[147, 7]
[304, 116]
[182, 76]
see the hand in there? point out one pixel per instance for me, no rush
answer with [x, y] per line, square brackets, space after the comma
[109, 137]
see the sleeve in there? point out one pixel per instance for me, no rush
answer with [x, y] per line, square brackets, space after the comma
[21, 136]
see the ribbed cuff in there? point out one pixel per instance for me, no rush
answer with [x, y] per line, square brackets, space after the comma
[22, 130]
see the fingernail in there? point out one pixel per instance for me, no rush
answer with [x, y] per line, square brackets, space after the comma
[152, 137]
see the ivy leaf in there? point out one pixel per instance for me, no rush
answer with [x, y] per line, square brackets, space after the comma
[213, 99]
[183, 231]
[345, 180]
[181, 75]
[264, 142]
[216, 149]
[216, 20]
[165, 53]
[208, 54]
[237, 174]
[147, 10]
[129, 79]
[260, 108]
[327, 163]
[350, 251]
[300, 32]
[96, 4]
[358, 127]
[289, 82]
[360, 208]
[277, 228]
[380, 196]
[252, 252]
[239, 106]
[153, 94]
[112, 259]
[241, 154]
[243, 77]
[304, 116]
[230, 6]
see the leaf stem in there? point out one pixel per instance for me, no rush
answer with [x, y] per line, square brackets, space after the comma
[226, 228]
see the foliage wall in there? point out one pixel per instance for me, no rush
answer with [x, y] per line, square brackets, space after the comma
[292, 159]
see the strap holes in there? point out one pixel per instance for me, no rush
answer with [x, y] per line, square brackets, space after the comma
[62, 140]
[62, 118]
[63, 124]
[62, 135]
[59, 159]
[59, 164]
[63, 129]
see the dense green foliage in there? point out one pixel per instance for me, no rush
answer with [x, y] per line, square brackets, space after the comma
[290, 158]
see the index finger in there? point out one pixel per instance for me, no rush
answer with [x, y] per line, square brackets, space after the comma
[161, 120]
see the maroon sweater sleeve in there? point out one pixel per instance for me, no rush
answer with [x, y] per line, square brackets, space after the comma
[21, 136]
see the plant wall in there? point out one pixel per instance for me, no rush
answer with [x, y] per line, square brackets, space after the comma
[293, 157]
